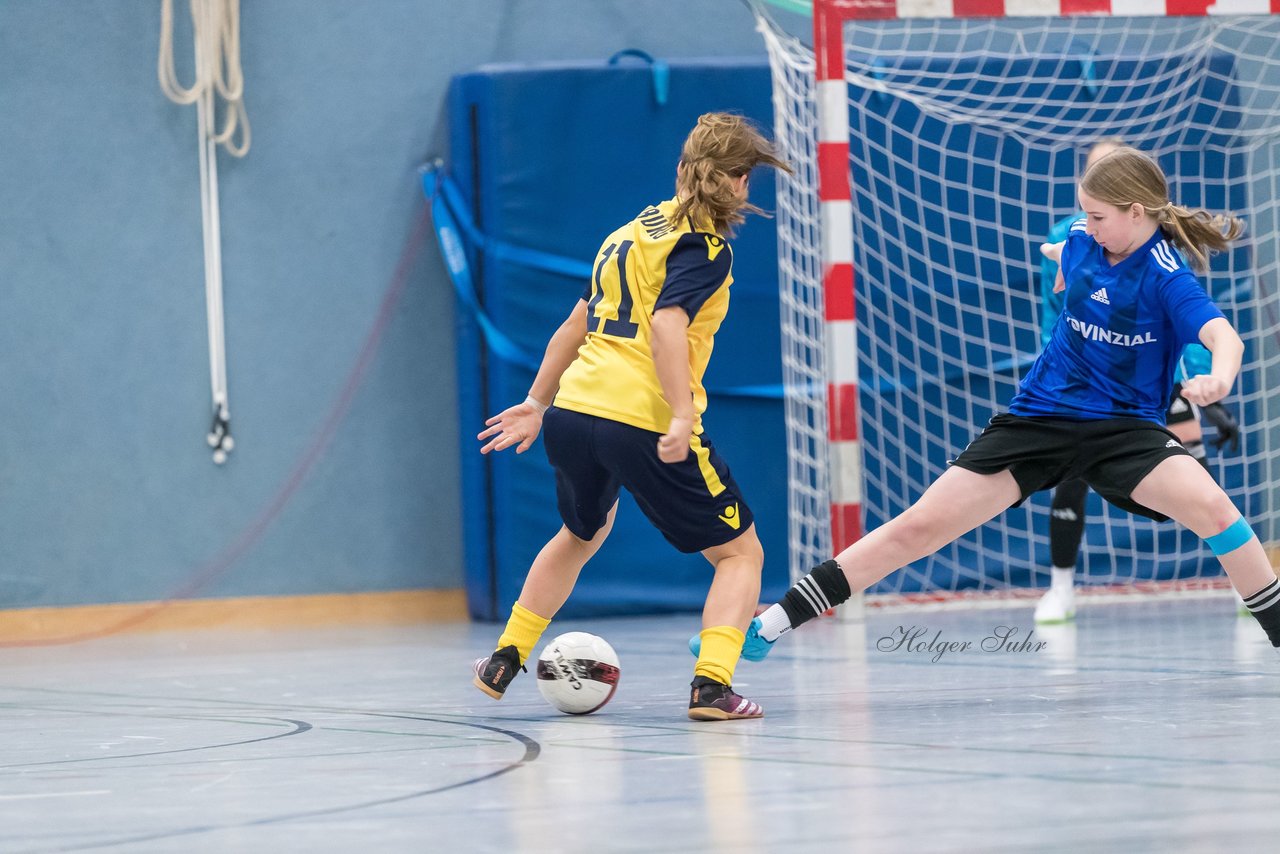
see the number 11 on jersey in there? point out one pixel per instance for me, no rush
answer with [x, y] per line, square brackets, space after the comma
[603, 285]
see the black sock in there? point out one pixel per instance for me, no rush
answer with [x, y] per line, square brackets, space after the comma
[1265, 605]
[825, 587]
[1066, 522]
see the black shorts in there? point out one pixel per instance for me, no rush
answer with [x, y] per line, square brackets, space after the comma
[1112, 456]
[1180, 409]
[695, 504]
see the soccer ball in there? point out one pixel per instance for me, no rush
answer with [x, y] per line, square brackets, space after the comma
[578, 673]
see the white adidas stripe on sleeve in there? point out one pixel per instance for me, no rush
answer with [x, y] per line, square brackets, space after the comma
[1164, 256]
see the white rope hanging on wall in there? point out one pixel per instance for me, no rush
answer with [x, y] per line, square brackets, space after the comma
[215, 26]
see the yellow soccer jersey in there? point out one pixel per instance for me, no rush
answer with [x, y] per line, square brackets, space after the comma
[648, 264]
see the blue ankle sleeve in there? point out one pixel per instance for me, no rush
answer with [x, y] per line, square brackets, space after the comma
[1231, 539]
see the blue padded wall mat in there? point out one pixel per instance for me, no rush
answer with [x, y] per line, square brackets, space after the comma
[552, 158]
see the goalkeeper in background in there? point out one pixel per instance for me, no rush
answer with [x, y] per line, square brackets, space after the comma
[1067, 513]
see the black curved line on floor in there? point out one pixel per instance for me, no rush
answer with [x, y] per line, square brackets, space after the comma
[531, 751]
[299, 727]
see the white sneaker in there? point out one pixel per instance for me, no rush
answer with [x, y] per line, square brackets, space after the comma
[1057, 605]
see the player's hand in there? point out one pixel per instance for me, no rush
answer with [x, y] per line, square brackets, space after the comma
[673, 446]
[1228, 428]
[1204, 390]
[519, 424]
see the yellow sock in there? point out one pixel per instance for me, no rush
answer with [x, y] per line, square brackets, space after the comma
[721, 646]
[523, 630]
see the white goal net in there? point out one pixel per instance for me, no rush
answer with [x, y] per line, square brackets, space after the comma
[966, 139]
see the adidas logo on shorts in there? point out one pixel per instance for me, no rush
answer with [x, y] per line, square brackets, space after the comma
[1173, 443]
[1101, 296]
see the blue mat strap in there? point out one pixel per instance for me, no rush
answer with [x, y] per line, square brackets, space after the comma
[661, 72]
[455, 259]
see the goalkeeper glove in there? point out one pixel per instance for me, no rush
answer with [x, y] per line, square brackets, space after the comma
[1228, 427]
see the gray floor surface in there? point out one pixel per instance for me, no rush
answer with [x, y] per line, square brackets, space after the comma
[1143, 727]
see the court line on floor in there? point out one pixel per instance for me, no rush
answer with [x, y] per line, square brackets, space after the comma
[467, 718]
[531, 752]
[299, 727]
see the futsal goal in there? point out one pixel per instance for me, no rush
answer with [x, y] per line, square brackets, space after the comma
[935, 143]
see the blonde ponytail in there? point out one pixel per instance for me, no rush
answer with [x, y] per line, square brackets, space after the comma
[1196, 232]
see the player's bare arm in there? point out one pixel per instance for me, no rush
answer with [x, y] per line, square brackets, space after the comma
[671, 361]
[1220, 339]
[519, 425]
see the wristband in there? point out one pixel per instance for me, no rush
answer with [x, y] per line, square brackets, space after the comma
[532, 401]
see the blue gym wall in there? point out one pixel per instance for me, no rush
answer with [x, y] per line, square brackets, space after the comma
[107, 492]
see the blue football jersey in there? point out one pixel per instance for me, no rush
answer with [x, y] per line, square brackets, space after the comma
[1195, 359]
[1113, 351]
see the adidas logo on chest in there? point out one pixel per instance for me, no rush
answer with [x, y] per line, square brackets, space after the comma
[1101, 296]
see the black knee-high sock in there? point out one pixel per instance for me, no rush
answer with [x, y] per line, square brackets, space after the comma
[825, 587]
[1066, 522]
[1265, 605]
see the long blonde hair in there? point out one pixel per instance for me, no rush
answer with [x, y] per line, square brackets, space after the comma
[719, 150]
[1126, 176]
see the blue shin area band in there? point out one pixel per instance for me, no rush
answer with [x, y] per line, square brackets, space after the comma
[1232, 538]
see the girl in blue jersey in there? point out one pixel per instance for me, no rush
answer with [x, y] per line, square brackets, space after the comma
[1067, 510]
[624, 373]
[1091, 407]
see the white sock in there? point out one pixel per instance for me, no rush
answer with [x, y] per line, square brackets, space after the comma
[774, 623]
[1063, 578]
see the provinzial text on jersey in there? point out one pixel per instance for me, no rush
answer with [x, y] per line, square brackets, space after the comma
[1094, 332]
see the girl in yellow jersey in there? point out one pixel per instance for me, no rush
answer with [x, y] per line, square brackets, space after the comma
[625, 374]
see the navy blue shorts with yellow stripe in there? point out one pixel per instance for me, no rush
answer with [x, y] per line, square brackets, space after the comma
[695, 504]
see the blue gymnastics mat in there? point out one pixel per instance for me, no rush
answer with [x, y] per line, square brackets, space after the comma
[546, 160]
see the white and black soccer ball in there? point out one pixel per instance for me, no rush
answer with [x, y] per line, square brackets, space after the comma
[578, 672]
